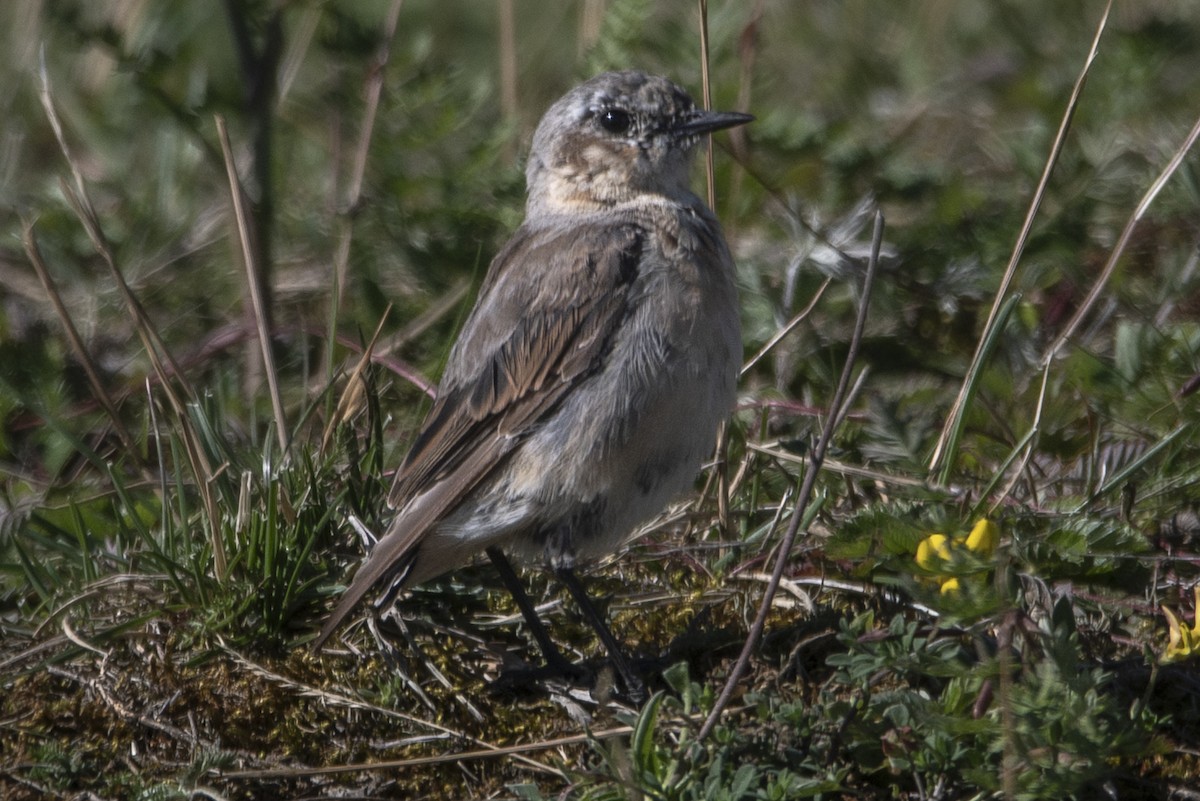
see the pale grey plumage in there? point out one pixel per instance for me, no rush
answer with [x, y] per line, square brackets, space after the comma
[589, 381]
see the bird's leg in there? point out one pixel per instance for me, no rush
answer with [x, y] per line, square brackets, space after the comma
[633, 682]
[512, 583]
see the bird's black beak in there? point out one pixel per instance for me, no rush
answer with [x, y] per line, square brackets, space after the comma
[702, 122]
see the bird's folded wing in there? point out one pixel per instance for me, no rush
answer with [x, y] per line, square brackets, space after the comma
[549, 308]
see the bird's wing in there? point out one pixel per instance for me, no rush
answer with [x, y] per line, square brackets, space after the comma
[548, 309]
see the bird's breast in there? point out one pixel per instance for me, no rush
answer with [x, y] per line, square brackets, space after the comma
[634, 435]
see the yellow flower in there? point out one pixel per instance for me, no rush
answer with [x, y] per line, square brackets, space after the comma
[983, 538]
[935, 552]
[1181, 642]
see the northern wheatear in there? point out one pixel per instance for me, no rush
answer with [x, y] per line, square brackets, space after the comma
[589, 381]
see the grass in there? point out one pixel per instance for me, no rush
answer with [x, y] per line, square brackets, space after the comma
[176, 500]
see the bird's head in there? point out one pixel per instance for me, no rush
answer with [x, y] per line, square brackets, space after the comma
[618, 136]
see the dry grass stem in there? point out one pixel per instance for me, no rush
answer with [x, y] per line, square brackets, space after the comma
[160, 357]
[1118, 250]
[809, 481]
[790, 326]
[76, 342]
[954, 417]
[358, 169]
[246, 233]
[706, 95]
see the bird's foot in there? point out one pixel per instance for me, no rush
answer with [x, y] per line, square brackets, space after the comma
[603, 682]
[522, 678]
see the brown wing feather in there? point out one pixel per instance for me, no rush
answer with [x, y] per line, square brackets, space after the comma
[547, 309]
[550, 305]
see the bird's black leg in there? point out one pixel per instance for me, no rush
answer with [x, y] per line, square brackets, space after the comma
[633, 682]
[512, 583]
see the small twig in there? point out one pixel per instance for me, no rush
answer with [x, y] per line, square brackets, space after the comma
[806, 489]
[787, 585]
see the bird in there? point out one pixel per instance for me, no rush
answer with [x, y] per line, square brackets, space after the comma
[588, 383]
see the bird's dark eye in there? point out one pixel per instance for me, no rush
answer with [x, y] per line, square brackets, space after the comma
[614, 120]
